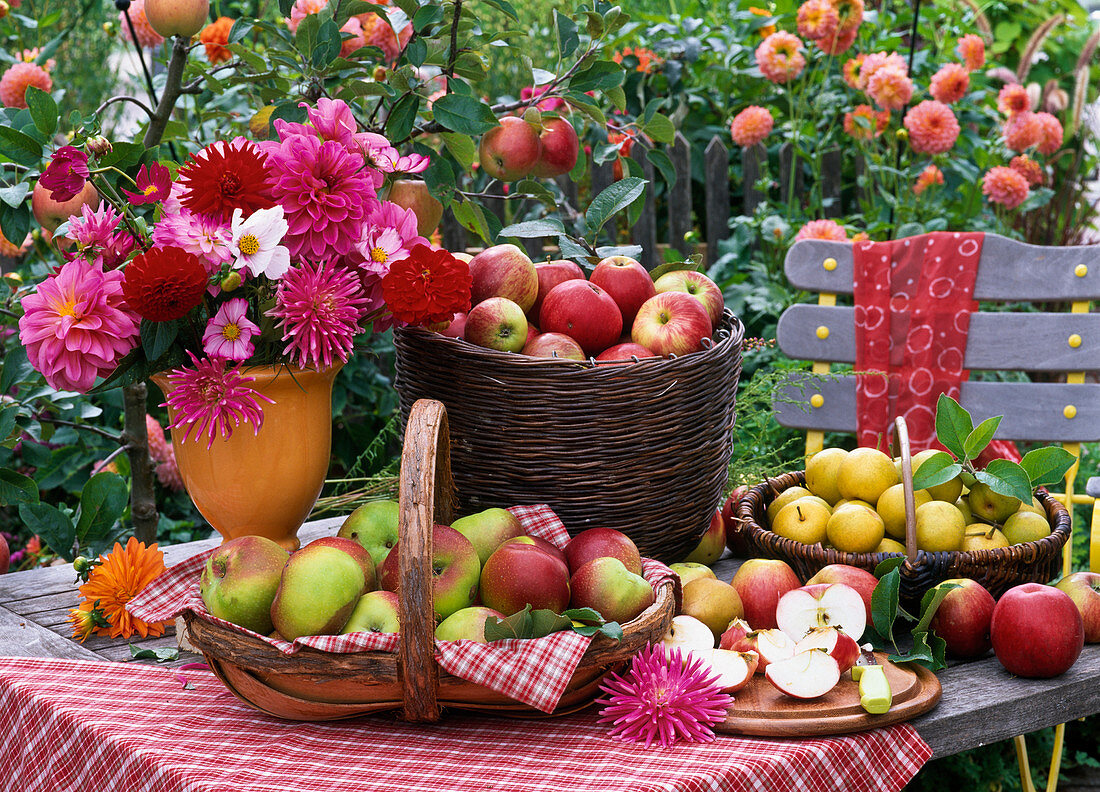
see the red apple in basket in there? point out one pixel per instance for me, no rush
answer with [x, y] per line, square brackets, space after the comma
[497, 323]
[760, 582]
[177, 17]
[963, 619]
[503, 271]
[607, 586]
[713, 543]
[859, 579]
[376, 612]
[672, 323]
[596, 543]
[318, 591]
[240, 579]
[736, 540]
[821, 605]
[550, 274]
[1037, 631]
[628, 283]
[489, 529]
[807, 675]
[698, 286]
[840, 646]
[356, 551]
[456, 570]
[625, 352]
[518, 574]
[510, 150]
[560, 147]
[456, 328]
[583, 311]
[542, 544]
[553, 345]
[1084, 589]
[467, 624]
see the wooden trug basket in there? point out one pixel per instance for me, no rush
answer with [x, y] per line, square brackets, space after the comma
[997, 570]
[312, 685]
[642, 447]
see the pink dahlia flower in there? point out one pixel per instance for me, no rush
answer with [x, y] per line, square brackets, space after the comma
[1013, 99]
[213, 400]
[928, 177]
[1028, 168]
[388, 236]
[933, 128]
[864, 122]
[18, 78]
[751, 125]
[829, 230]
[168, 472]
[154, 183]
[817, 19]
[850, 70]
[205, 236]
[333, 120]
[1050, 133]
[971, 49]
[779, 57]
[229, 333]
[879, 60]
[93, 228]
[66, 174]
[950, 83]
[1022, 131]
[146, 36]
[1005, 186]
[158, 444]
[319, 306]
[891, 88]
[77, 325]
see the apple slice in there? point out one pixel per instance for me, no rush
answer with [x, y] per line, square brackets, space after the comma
[840, 646]
[737, 629]
[689, 635]
[807, 675]
[821, 605]
[734, 669]
[771, 645]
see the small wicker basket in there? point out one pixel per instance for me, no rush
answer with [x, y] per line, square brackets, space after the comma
[997, 570]
[314, 685]
[643, 447]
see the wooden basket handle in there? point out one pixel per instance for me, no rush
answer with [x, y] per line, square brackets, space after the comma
[901, 435]
[426, 496]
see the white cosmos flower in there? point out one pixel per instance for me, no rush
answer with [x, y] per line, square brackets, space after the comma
[256, 242]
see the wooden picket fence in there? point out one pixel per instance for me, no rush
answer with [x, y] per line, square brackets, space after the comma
[676, 201]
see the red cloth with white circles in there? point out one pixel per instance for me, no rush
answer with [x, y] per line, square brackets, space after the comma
[913, 301]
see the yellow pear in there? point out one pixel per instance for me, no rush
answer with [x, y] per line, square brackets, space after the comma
[1034, 506]
[940, 526]
[856, 501]
[948, 491]
[963, 505]
[821, 473]
[865, 474]
[991, 506]
[803, 522]
[891, 508]
[855, 529]
[1025, 526]
[713, 602]
[783, 498]
[978, 539]
[888, 545]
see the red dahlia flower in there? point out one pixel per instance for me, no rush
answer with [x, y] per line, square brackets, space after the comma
[226, 176]
[164, 283]
[429, 286]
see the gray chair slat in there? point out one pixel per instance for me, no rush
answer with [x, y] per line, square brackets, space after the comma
[1008, 271]
[997, 341]
[1092, 487]
[1032, 411]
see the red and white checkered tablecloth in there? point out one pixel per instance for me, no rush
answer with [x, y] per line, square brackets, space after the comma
[535, 672]
[67, 725]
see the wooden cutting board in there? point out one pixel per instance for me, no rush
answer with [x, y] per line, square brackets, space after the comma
[760, 709]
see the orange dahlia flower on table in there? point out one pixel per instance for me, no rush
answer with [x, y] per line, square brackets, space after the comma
[117, 579]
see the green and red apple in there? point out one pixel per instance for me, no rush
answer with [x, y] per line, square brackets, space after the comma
[467, 624]
[509, 150]
[1084, 589]
[712, 544]
[607, 586]
[698, 286]
[671, 323]
[760, 582]
[497, 323]
[963, 618]
[318, 591]
[375, 526]
[376, 612]
[240, 579]
[504, 271]
[456, 569]
[489, 529]
[595, 543]
[518, 574]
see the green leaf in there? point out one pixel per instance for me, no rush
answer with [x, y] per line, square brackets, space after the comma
[19, 147]
[285, 7]
[600, 76]
[55, 528]
[472, 217]
[518, 625]
[1006, 478]
[505, 7]
[465, 114]
[156, 337]
[164, 654]
[1044, 466]
[953, 425]
[16, 368]
[571, 250]
[102, 502]
[930, 603]
[241, 28]
[14, 195]
[611, 201]
[884, 603]
[534, 229]
[660, 129]
[937, 469]
[545, 621]
[663, 163]
[402, 117]
[289, 111]
[583, 615]
[461, 147]
[983, 433]
[928, 651]
[426, 16]
[43, 110]
[15, 223]
[16, 488]
[328, 44]
[8, 414]
[566, 28]
[612, 630]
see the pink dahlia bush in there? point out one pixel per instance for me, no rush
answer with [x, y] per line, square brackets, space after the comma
[751, 125]
[932, 127]
[1005, 186]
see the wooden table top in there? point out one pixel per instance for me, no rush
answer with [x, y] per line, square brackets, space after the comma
[981, 704]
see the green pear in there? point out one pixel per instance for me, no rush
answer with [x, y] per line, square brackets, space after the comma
[318, 592]
[690, 570]
[1025, 526]
[821, 473]
[963, 505]
[487, 530]
[855, 529]
[373, 525]
[993, 507]
[240, 579]
[948, 491]
[1034, 506]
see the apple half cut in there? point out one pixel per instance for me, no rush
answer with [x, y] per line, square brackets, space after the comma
[821, 605]
[840, 646]
[807, 675]
[737, 629]
[734, 669]
[772, 646]
[689, 635]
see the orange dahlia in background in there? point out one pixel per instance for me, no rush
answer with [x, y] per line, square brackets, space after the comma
[18, 78]
[767, 30]
[146, 36]
[119, 577]
[890, 87]
[864, 122]
[8, 250]
[1004, 186]
[817, 19]
[950, 83]
[971, 49]
[1028, 168]
[829, 230]
[751, 125]
[215, 37]
[1023, 130]
[779, 57]
[647, 58]
[870, 64]
[1051, 133]
[1013, 99]
[850, 70]
[928, 177]
[932, 127]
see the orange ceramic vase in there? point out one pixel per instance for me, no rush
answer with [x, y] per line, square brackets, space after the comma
[264, 484]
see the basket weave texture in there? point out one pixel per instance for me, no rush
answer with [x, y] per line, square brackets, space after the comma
[997, 570]
[642, 447]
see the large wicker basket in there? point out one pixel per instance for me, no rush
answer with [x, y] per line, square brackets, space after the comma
[997, 570]
[314, 685]
[642, 447]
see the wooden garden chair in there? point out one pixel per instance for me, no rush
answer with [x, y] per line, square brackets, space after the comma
[1063, 344]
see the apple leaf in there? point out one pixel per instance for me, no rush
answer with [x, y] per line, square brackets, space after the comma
[953, 425]
[544, 622]
[930, 603]
[928, 651]
[937, 469]
[464, 114]
[884, 603]
[164, 654]
[983, 433]
[887, 565]
[583, 615]
[611, 201]
[16, 488]
[534, 229]
[1046, 466]
[612, 630]
[518, 625]
[1006, 478]
[54, 527]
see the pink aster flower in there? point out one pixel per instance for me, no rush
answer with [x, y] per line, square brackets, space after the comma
[950, 83]
[890, 87]
[66, 174]
[1005, 186]
[204, 236]
[154, 183]
[664, 698]
[320, 306]
[779, 57]
[1022, 131]
[1013, 99]
[751, 125]
[77, 325]
[333, 120]
[1050, 133]
[928, 177]
[971, 49]
[326, 193]
[212, 399]
[388, 236]
[822, 229]
[933, 128]
[93, 228]
[229, 334]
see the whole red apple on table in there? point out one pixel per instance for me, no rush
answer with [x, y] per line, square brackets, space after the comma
[698, 286]
[497, 323]
[1084, 589]
[503, 271]
[625, 353]
[50, 213]
[554, 345]
[550, 274]
[456, 570]
[414, 194]
[177, 17]
[510, 150]
[712, 544]
[859, 579]
[559, 149]
[1036, 631]
[760, 582]
[607, 586]
[628, 283]
[596, 543]
[518, 574]
[671, 323]
[240, 580]
[584, 312]
[963, 619]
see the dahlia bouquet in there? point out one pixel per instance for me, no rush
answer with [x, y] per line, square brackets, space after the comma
[249, 253]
